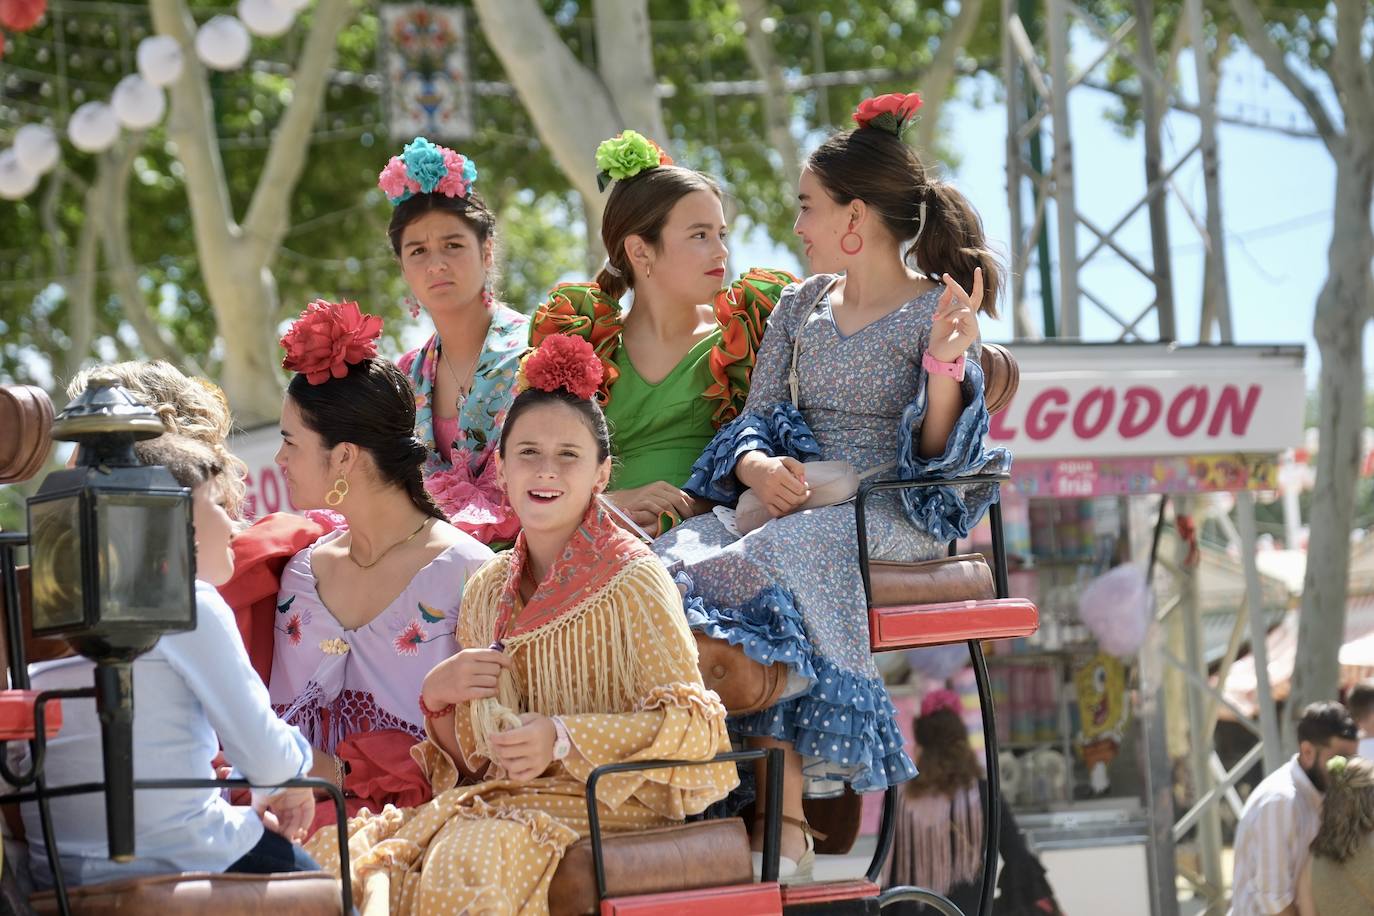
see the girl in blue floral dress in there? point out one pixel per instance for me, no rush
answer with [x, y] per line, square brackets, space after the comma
[464, 375]
[886, 374]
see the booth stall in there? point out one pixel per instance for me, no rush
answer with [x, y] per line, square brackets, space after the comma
[1101, 434]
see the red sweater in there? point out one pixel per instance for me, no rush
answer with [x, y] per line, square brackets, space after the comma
[261, 552]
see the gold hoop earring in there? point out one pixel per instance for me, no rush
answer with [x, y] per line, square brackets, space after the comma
[336, 495]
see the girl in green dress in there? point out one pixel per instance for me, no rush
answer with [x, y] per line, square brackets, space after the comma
[678, 360]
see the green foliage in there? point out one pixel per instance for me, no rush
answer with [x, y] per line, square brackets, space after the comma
[337, 245]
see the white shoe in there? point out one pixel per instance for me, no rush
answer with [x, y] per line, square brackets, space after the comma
[792, 871]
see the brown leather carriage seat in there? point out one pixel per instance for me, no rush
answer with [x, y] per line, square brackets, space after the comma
[683, 857]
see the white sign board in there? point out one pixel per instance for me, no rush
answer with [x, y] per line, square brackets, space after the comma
[1105, 401]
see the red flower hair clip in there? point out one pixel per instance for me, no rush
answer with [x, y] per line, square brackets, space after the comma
[891, 112]
[562, 361]
[329, 337]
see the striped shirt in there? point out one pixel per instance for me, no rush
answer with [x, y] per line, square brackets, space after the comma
[1276, 829]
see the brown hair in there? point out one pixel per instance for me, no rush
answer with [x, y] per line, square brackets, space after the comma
[640, 206]
[948, 761]
[1360, 700]
[1347, 810]
[587, 409]
[189, 406]
[471, 210]
[875, 166]
[192, 463]
[372, 406]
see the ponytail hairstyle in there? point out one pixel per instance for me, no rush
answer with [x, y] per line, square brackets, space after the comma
[563, 370]
[345, 393]
[647, 185]
[872, 163]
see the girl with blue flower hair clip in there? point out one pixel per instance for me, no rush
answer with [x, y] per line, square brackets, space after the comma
[444, 236]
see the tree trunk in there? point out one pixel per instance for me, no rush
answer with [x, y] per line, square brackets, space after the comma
[1342, 311]
[235, 259]
[113, 224]
[625, 60]
[943, 70]
[776, 101]
[570, 106]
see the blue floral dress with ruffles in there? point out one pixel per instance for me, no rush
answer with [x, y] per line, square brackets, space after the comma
[790, 590]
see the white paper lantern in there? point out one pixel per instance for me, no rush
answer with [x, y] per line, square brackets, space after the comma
[223, 43]
[138, 103]
[37, 148]
[93, 127]
[159, 59]
[15, 181]
[266, 18]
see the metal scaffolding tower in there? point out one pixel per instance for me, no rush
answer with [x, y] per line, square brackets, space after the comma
[1042, 76]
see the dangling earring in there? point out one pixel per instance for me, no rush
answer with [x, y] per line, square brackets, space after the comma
[336, 495]
[648, 271]
[857, 248]
[488, 300]
[414, 305]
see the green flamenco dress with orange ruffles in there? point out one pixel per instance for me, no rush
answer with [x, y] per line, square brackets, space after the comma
[659, 429]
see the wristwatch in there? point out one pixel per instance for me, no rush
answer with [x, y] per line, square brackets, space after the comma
[954, 370]
[562, 743]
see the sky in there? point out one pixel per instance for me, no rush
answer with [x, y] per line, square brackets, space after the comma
[1276, 193]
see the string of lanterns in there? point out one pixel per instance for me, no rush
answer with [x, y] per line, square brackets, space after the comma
[139, 100]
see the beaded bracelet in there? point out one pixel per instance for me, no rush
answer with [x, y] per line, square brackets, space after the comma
[435, 713]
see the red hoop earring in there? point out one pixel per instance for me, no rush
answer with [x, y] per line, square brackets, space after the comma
[857, 248]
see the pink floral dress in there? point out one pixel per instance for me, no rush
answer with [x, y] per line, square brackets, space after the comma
[333, 682]
[463, 482]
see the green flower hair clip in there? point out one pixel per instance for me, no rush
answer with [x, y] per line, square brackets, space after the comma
[1336, 765]
[625, 156]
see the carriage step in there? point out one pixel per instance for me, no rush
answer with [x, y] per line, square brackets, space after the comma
[737, 900]
[16, 715]
[910, 626]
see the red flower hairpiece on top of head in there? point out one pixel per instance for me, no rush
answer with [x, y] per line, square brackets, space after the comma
[563, 361]
[891, 112]
[329, 337]
[937, 700]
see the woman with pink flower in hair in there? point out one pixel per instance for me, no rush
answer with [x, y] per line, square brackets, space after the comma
[367, 610]
[444, 237]
[939, 836]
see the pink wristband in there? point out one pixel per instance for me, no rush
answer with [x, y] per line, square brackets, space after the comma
[954, 370]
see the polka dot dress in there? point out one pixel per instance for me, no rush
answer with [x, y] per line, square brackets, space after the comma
[493, 848]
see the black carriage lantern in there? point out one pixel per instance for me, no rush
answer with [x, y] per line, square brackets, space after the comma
[112, 541]
[112, 551]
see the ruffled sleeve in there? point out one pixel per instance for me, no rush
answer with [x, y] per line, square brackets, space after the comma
[769, 422]
[950, 512]
[583, 310]
[675, 717]
[742, 311]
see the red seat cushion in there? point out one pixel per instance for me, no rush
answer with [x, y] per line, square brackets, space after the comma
[909, 626]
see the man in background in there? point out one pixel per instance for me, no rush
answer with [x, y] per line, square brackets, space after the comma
[1281, 817]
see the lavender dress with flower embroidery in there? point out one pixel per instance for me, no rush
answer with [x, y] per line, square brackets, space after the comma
[463, 482]
[331, 682]
[790, 591]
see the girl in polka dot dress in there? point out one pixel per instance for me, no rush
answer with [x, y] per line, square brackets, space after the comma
[873, 360]
[575, 654]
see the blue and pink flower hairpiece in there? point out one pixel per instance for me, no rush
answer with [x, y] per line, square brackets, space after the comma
[427, 168]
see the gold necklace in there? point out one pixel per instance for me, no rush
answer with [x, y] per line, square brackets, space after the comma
[405, 540]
